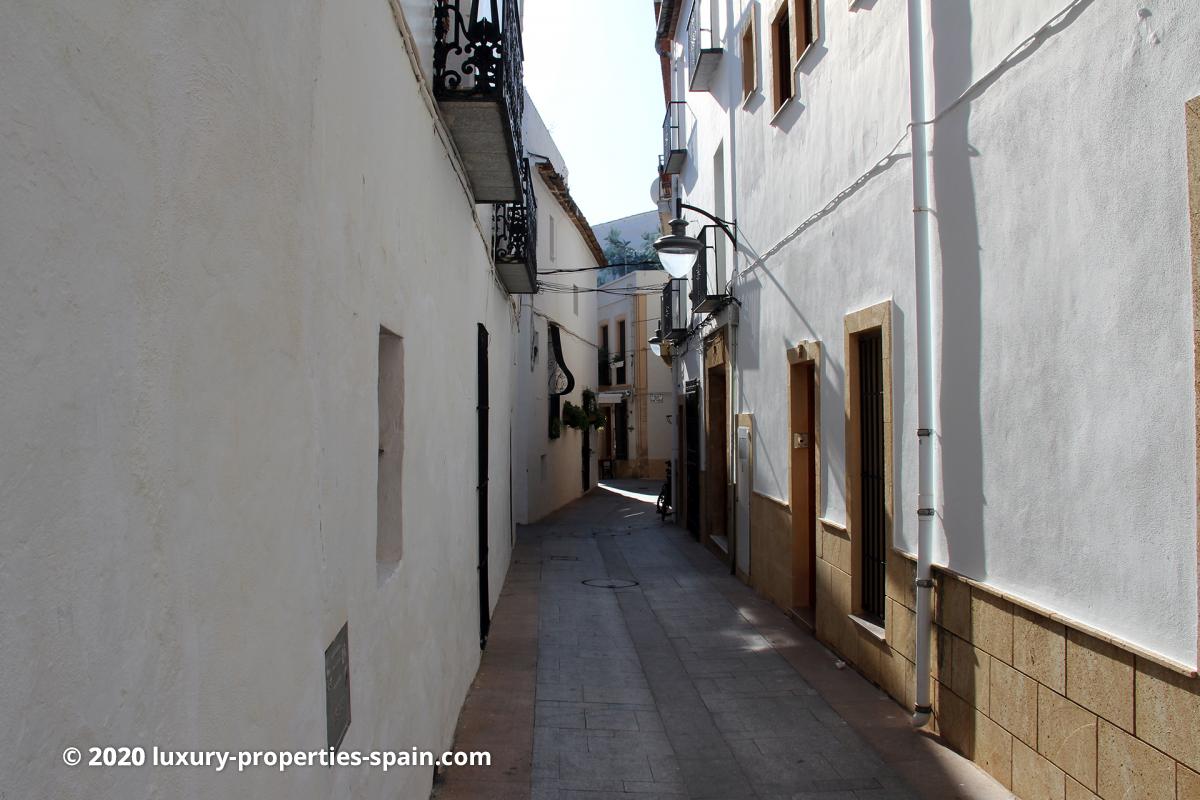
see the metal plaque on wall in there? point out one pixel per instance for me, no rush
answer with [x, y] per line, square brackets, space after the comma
[337, 687]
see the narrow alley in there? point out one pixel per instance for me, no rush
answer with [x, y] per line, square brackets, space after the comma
[625, 661]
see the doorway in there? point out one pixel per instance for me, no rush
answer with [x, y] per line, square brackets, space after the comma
[717, 476]
[586, 452]
[621, 432]
[803, 472]
[481, 410]
[691, 420]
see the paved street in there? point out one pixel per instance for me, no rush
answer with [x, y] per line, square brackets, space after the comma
[671, 679]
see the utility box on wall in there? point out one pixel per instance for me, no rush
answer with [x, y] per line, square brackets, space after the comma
[337, 687]
[744, 476]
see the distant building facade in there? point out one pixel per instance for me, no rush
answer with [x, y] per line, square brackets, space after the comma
[627, 244]
[635, 384]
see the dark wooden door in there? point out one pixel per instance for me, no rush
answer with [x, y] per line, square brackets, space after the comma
[803, 488]
[481, 408]
[692, 441]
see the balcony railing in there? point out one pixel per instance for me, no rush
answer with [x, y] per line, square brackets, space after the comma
[604, 368]
[675, 312]
[514, 235]
[702, 61]
[708, 282]
[674, 143]
[479, 84]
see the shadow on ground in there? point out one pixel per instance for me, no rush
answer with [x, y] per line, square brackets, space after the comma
[682, 683]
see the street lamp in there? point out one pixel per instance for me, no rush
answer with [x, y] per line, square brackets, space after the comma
[677, 251]
[656, 341]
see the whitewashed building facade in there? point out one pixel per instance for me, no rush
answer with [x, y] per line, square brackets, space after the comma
[555, 463]
[1064, 623]
[257, 386]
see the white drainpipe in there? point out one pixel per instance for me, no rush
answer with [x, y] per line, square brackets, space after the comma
[926, 352]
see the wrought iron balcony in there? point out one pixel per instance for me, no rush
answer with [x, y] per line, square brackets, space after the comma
[604, 368]
[675, 314]
[674, 143]
[708, 281]
[514, 237]
[702, 61]
[479, 85]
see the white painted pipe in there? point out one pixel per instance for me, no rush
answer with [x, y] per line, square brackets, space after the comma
[926, 353]
[732, 444]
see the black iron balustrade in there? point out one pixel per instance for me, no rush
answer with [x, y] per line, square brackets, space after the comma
[675, 313]
[604, 368]
[702, 61]
[478, 80]
[514, 234]
[674, 144]
[699, 292]
[708, 285]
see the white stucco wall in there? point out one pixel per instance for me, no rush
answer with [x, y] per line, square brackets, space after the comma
[548, 473]
[1068, 404]
[206, 213]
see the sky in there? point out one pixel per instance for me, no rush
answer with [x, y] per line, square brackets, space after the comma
[591, 69]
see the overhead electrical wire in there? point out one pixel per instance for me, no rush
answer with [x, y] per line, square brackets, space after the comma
[594, 269]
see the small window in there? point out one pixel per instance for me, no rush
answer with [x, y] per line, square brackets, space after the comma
[605, 358]
[553, 238]
[807, 16]
[575, 298]
[749, 61]
[781, 55]
[389, 484]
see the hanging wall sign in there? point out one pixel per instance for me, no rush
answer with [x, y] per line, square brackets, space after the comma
[561, 381]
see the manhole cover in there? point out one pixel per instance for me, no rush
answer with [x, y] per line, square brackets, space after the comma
[609, 583]
[563, 558]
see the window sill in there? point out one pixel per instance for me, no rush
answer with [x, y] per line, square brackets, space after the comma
[807, 49]
[870, 627]
[781, 110]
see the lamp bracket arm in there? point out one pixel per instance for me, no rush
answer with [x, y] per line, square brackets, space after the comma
[723, 224]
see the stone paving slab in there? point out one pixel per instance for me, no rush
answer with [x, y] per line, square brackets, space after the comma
[689, 685]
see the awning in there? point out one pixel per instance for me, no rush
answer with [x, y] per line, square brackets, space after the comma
[611, 398]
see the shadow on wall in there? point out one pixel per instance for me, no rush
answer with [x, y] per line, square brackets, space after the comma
[958, 232]
[786, 118]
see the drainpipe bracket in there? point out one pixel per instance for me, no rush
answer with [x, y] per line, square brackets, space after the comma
[924, 512]
[924, 583]
[924, 431]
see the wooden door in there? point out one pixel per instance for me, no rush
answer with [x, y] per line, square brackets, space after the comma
[803, 486]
